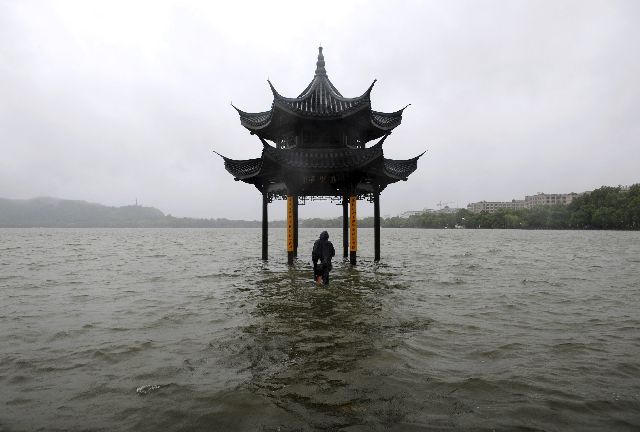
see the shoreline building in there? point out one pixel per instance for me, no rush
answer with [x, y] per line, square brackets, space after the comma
[549, 199]
[530, 201]
[492, 206]
[407, 214]
[444, 210]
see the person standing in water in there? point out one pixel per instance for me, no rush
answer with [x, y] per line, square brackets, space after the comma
[323, 251]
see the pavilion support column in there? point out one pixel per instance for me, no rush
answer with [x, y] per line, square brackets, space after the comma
[265, 226]
[353, 225]
[376, 225]
[345, 225]
[290, 230]
[295, 225]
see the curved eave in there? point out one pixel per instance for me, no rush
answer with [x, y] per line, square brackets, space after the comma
[387, 121]
[255, 121]
[304, 110]
[379, 120]
[322, 100]
[242, 169]
[400, 169]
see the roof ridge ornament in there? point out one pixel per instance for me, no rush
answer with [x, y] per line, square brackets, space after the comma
[273, 89]
[320, 70]
[378, 145]
[368, 92]
[237, 109]
[222, 156]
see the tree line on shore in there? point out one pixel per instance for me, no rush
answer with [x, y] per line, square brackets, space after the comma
[604, 208]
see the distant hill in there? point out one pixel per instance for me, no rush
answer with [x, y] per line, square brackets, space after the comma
[54, 212]
[603, 208]
[61, 213]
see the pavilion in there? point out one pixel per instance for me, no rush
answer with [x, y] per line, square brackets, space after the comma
[315, 145]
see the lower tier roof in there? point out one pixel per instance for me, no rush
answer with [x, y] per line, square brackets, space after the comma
[321, 172]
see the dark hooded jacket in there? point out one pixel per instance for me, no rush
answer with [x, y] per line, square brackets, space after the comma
[323, 250]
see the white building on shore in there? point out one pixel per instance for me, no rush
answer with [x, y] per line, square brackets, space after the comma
[530, 201]
[445, 209]
[491, 206]
[549, 199]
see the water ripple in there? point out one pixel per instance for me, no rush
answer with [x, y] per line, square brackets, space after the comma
[149, 330]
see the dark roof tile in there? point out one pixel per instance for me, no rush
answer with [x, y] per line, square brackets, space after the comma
[400, 169]
[242, 169]
[323, 159]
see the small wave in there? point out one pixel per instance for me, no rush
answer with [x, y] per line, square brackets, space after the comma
[159, 373]
[57, 369]
[24, 364]
[481, 386]
[96, 392]
[99, 354]
[415, 325]
[543, 282]
[118, 353]
[630, 370]
[462, 255]
[149, 388]
[18, 401]
[454, 282]
[574, 348]
[208, 276]
[510, 350]
[19, 379]
[59, 335]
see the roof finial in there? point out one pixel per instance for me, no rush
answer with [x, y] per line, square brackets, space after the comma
[320, 70]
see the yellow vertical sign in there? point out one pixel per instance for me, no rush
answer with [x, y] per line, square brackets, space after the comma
[289, 223]
[353, 224]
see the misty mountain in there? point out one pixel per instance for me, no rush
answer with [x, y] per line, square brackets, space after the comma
[54, 212]
[60, 213]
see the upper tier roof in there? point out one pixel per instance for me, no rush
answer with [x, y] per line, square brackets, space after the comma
[320, 100]
[321, 97]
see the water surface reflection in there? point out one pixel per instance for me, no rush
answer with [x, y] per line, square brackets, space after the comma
[318, 352]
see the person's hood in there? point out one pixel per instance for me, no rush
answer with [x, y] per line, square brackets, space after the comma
[324, 235]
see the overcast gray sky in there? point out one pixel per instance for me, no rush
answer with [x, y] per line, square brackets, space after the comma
[109, 101]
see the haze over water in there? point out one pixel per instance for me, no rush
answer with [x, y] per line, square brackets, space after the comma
[143, 329]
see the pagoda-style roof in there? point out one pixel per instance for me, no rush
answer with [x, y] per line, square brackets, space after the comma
[318, 102]
[320, 141]
[322, 100]
[288, 171]
[319, 159]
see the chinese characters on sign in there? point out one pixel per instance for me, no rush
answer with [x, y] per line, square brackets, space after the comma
[353, 224]
[290, 223]
[331, 179]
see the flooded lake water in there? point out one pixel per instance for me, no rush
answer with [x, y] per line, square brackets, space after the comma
[177, 329]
